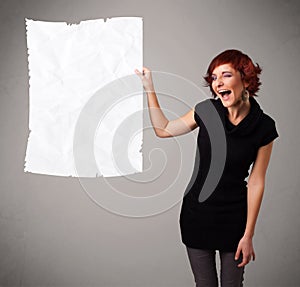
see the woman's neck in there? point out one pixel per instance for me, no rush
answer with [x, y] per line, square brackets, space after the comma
[237, 112]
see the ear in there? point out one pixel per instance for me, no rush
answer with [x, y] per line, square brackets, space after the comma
[246, 84]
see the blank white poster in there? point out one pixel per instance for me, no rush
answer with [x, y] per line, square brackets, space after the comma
[76, 73]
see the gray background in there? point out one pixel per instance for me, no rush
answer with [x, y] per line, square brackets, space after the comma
[53, 234]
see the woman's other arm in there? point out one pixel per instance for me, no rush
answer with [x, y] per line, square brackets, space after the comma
[162, 126]
[256, 186]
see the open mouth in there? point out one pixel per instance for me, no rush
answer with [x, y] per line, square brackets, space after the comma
[224, 93]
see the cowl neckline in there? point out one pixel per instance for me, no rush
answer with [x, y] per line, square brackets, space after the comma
[247, 124]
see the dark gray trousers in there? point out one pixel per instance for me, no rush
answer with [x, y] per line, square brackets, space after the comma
[203, 264]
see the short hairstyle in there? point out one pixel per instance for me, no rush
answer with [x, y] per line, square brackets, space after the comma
[240, 62]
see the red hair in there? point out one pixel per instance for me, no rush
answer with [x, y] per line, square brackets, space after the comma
[240, 62]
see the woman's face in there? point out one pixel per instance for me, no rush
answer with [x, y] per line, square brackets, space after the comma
[228, 85]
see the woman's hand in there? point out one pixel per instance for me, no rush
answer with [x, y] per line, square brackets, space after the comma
[146, 78]
[246, 248]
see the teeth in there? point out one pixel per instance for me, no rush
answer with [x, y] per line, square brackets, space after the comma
[223, 92]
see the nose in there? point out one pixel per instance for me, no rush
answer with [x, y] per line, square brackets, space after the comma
[219, 82]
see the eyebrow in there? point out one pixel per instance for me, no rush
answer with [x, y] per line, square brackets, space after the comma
[223, 72]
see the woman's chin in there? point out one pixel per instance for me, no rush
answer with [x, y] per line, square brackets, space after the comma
[226, 103]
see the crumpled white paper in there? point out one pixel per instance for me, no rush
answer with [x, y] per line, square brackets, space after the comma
[68, 65]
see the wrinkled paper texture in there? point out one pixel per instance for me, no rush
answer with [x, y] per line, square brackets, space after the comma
[68, 64]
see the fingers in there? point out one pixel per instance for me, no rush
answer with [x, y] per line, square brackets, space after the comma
[246, 255]
[146, 78]
[237, 254]
[138, 73]
[246, 259]
[143, 72]
[245, 248]
[244, 262]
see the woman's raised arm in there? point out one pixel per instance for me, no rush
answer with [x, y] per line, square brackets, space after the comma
[162, 126]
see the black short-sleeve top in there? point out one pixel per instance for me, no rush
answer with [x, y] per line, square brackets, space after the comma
[219, 222]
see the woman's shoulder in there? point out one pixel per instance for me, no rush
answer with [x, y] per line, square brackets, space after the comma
[267, 120]
[207, 110]
[267, 129]
[208, 101]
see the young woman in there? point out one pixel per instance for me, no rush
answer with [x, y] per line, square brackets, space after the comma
[226, 220]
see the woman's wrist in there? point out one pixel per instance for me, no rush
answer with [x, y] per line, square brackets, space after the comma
[248, 235]
[149, 89]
